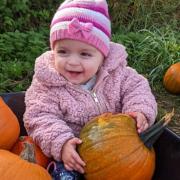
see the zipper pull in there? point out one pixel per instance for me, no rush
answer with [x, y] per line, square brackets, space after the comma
[95, 97]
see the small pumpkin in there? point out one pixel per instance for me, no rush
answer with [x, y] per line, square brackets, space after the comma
[13, 167]
[20, 148]
[112, 148]
[171, 79]
[9, 126]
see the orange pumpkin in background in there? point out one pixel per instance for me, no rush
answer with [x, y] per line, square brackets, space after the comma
[12, 167]
[9, 126]
[20, 148]
[171, 79]
[112, 148]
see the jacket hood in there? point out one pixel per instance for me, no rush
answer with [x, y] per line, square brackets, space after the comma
[117, 57]
[47, 74]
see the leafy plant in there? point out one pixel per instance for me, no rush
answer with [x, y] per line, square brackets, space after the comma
[133, 15]
[18, 53]
[151, 52]
[26, 15]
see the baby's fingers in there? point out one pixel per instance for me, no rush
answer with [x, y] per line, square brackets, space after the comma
[68, 167]
[143, 127]
[78, 159]
[79, 168]
[139, 123]
[73, 165]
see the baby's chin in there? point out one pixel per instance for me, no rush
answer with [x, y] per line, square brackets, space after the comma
[75, 79]
[77, 82]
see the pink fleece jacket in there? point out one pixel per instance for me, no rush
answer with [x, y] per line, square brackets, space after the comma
[56, 110]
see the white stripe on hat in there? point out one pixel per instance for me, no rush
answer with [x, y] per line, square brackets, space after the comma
[88, 14]
[95, 31]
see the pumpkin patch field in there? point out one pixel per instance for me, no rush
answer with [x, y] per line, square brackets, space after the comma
[149, 29]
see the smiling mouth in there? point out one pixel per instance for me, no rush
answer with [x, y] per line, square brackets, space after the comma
[74, 73]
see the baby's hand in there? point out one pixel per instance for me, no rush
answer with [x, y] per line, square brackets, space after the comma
[142, 123]
[70, 157]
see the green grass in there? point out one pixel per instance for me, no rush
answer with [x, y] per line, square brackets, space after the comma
[151, 53]
[134, 15]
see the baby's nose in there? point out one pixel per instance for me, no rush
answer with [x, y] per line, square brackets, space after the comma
[74, 60]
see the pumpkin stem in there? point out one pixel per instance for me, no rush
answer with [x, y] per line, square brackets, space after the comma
[21, 138]
[28, 153]
[150, 135]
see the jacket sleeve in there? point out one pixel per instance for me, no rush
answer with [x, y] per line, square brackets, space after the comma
[137, 96]
[43, 120]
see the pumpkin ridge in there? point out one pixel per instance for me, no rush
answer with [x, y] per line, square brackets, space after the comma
[9, 126]
[12, 163]
[127, 155]
[107, 116]
[115, 148]
[147, 154]
[143, 165]
[171, 79]
[11, 166]
[15, 173]
[117, 177]
[98, 171]
[95, 143]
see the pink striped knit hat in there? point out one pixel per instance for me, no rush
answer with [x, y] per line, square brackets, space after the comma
[83, 20]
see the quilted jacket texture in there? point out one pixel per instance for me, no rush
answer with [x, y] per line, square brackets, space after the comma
[56, 110]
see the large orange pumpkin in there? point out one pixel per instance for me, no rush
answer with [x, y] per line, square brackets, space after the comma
[20, 148]
[13, 167]
[171, 79]
[9, 126]
[112, 149]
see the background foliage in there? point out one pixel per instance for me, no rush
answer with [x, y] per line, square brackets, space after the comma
[148, 29]
[144, 14]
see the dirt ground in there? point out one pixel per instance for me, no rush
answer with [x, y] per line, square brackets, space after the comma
[166, 102]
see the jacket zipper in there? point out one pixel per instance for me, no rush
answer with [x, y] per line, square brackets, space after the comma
[96, 101]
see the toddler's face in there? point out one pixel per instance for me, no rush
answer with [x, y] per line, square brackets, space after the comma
[76, 61]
